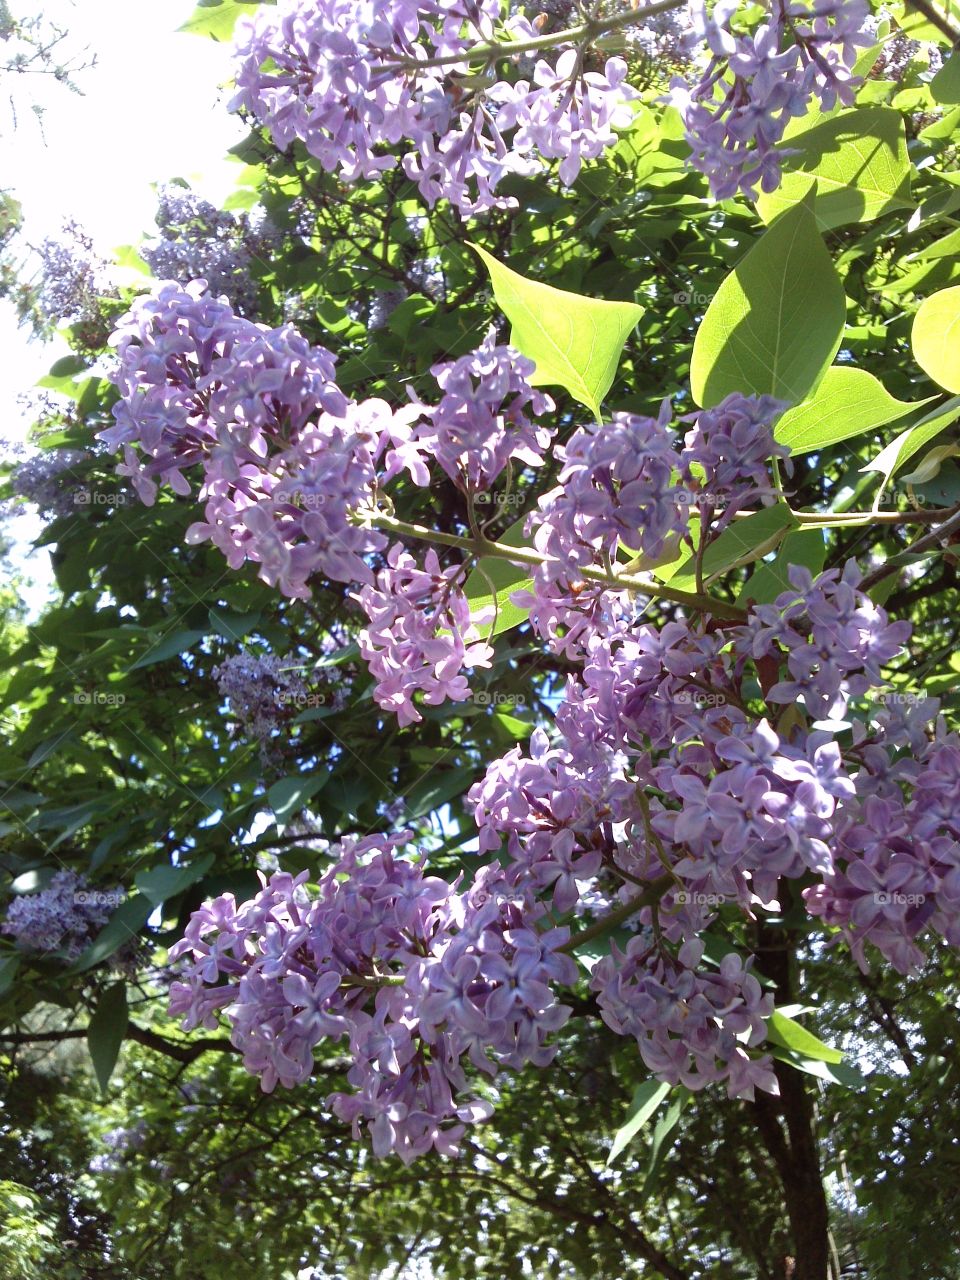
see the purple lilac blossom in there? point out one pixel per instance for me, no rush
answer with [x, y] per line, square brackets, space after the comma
[63, 918]
[420, 635]
[415, 975]
[751, 86]
[326, 72]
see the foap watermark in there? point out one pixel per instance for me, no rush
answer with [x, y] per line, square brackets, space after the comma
[484, 698]
[305, 500]
[98, 698]
[101, 498]
[896, 899]
[698, 498]
[304, 701]
[111, 898]
[895, 698]
[690, 898]
[499, 499]
[700, 698]
[692, 298]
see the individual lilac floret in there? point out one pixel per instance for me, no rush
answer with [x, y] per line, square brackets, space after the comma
[481, 421]
[752, 86]
[64, 917]
[421, 634]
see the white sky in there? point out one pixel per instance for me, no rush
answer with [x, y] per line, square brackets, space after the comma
[152, 109]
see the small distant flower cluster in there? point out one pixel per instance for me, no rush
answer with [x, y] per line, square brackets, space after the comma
[261, 692]
[72, 284]
[64, 918]
[118, 1142]
[352, 98]
[419, 978]
[198, 241]
[50, 480]
[753, 85]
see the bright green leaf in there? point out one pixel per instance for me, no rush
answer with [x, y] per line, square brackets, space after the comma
[859, 162]
[945, 85]
[899, 451]
[646, 1098]
[575, 342]
[740, 543]
[788, 1034]
[775, 324]
[491, 583]
[217, 18]
[106, 1030]
[936, 337]
[845, 403]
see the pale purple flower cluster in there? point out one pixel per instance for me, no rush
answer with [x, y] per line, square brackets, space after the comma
[415, 975]
[287, 459]
[50, 480]
[72, 279]
[262, 693]
[65, 917]
[897, 864]
[834, 637]
[327, 72]
[737, 111]
[421, 634]
[552, 807]
[694, 1026]
[726, 455]
[194, 377]
[199, 241]
[481, 422]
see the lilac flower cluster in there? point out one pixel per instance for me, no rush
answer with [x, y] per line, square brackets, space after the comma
[287, 459]
[50, 481]
[416, 976]
[198, 241]
[346, 80]
[63, 918]
[693, 1026]
[72, 283]
[896, 872]
[261, 692]
[481, 422]
[727, 453]
[753, 85]
[421, 634]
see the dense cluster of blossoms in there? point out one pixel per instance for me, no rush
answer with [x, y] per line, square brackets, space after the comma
[262, 692]
[751, 86]
[198, 241]
[674, 783]
[51, 480]
[63, 918]
[72, 282]
[481, 422]
[420, 635]
[352, 81]
[419, 978]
